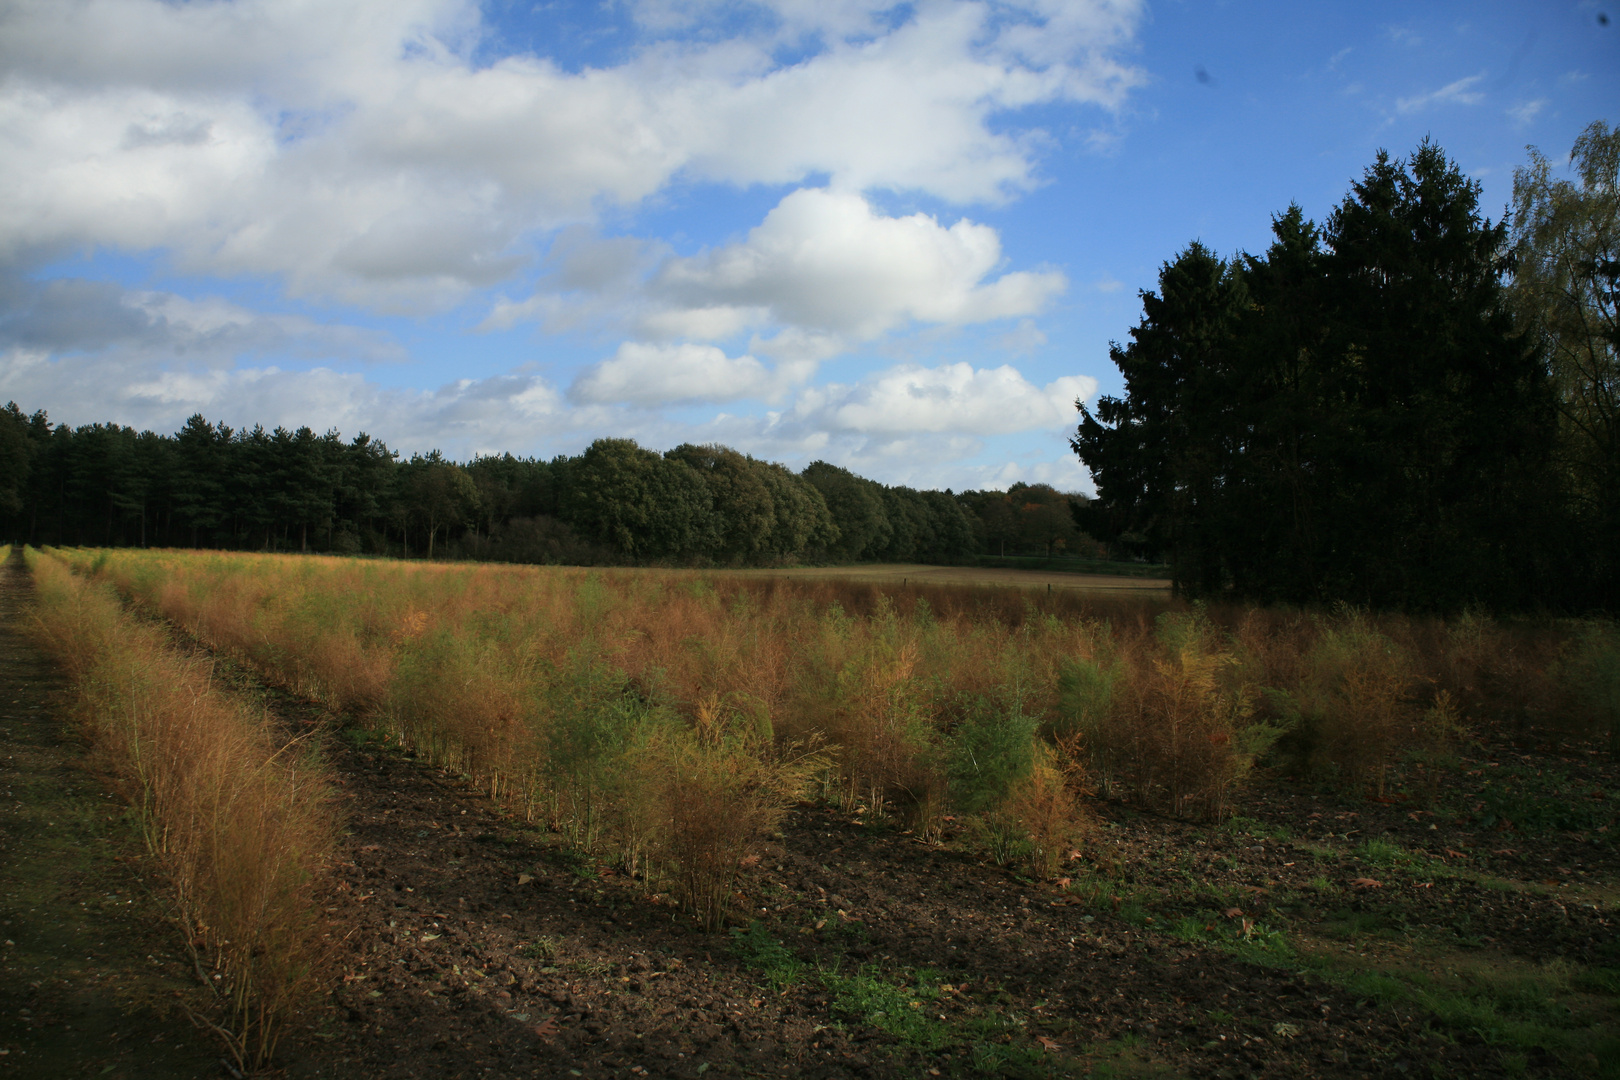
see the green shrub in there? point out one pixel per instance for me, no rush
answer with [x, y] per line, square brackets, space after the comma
[991, 750]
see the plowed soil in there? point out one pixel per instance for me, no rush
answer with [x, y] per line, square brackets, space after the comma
[472, 944]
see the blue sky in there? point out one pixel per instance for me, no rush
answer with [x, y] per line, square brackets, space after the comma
[895, 237]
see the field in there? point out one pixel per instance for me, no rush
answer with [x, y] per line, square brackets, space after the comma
[905, 574]
[644, 823]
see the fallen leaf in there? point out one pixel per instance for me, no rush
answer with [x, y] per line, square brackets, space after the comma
[1365, 883]
[546, 1029]
[1454, 854]
[1063, 882]
[524, 879]
[1287, 1031]
[1234, 913]
[1050, 1044]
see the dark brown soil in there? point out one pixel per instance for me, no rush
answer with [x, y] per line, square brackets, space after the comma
[480, 946]
[484, 948]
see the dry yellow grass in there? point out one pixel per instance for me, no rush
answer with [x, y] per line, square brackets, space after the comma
[240, 819]
[562, 688]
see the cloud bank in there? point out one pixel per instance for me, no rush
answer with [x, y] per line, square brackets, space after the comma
[384, 160]
[356, 151]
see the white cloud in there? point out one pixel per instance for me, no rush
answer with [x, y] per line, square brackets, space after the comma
[1064, 472]
[372, 152]
[501, 413]
[1526, 111]
[908, 425]
[654, 375]
[825, 261]
[1404, 36]
[1461, 92]
[824, 271]
[73, 315]
[356, 151]
[955, 398]
[1026, 337]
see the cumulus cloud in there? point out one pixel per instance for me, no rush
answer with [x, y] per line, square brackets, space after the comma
[825, 270]
[826, 260]
[357, 152]
[654, 375]
[506, 412]
[376, 153]
[907, 425]
[957, 398]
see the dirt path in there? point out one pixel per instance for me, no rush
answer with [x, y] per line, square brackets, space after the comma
[89, 982]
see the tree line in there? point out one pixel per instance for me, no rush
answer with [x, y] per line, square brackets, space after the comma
[1406, 406]
[212, 486]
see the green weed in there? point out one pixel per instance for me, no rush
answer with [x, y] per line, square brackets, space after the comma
[757, 949]
[897, 1008]
[541, 948]
[1546, 800]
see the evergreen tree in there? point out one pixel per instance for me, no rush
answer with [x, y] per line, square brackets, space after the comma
[16, 458]
[1352, 417]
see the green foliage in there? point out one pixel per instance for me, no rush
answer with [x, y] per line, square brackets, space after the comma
[210, 485]
[1590, 674]
[597, 732]
[897, 1008]
[991, 749]
[856, 506]
[1566, 243]
[756, 948]
[1384, 853]
[1542, 801]
[16, 454]
[1352, 416]
[1085, 695]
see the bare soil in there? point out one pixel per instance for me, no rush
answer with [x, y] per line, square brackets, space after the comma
[1318, 934]
[482, 947]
